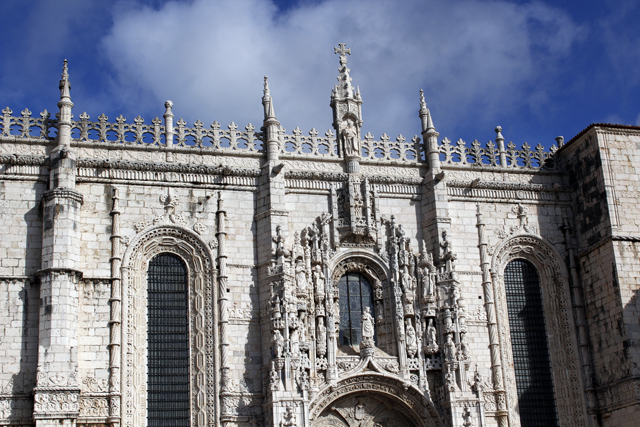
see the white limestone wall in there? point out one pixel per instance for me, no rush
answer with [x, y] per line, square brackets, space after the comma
[21, 235]
[93, 335]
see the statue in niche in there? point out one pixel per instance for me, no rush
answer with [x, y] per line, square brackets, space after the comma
[289, 418]
[409, 292]
[367, 328]
[464, 348]
[277, 343]
[295, 340]
[412, 342]
[302, 325]
[379, 311]
[428, 290]
[301, 275]
[447, 255]
[322, 338]
[318, 280]
[276, 310]
[350, 138]
[448, 323]
[431, 334]
[449, 349]
[279, 240]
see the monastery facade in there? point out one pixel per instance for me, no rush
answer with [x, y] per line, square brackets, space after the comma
[155, 274]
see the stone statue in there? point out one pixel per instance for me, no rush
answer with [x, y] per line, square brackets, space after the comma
[295, 340]
[449, 349]
[379, 311]
[318, 280]
[464, 348]
[278, 343]
[350, 138]
[301, 275]
[289, 418]
[321, 345]
[279, 240]
[412, 342]
[431, 334]
[367, 328]
[276, 310]
[448, 323]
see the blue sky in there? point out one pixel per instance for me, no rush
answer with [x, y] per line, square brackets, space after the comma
[539, 69]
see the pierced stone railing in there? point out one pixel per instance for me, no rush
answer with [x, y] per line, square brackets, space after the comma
[460, 154]
[309, 146]
[392, 151]
[248, 141]
[27, 127]
[139, 133]
[315, 146]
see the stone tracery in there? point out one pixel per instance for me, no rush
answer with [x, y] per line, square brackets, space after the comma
[201, 276]
[554, 281]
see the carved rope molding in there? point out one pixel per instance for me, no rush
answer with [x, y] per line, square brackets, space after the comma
[563, 348]
[201, 276]
[166, 167]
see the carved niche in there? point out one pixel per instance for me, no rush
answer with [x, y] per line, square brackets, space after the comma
[200, 269]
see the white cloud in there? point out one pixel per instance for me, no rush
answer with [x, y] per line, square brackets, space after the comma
[472, 58]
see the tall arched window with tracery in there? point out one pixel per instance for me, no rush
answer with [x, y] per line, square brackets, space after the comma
[355, 296]
[536, 402]
[168, 343]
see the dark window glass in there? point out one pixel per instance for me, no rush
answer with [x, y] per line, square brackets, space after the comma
[168, 356]
[529, 345]
[355, 296]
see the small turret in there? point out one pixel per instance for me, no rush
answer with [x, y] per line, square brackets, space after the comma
[425, 115]
[267, 102]
[65, 105]
[270, 124]
[429, 134]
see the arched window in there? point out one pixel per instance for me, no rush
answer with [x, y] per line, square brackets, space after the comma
[168, 343]
[355, 296]
[529, 345]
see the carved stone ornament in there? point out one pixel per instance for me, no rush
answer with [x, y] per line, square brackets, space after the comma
[407, 400]
[195, 254]
[563, 349]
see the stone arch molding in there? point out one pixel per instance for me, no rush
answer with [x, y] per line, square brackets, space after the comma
[407, 400]
[563, 347]
[201, 277]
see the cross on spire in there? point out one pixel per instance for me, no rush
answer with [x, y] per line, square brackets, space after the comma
[343, 51]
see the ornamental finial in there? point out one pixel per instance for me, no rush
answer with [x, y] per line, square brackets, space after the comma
[65, 84]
